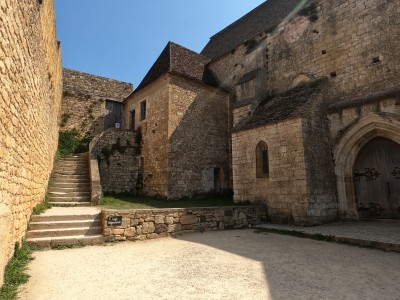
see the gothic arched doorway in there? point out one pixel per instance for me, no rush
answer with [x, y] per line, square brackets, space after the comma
[377, 179]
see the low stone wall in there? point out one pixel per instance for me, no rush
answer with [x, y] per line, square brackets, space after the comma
[144, 224]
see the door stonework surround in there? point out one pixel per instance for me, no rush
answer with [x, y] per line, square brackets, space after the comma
[346, 150]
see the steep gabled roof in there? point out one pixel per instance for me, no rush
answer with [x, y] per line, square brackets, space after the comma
[263, 18]
[177, 60]
[291, 104]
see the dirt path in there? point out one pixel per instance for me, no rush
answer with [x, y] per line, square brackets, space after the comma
[215, 265]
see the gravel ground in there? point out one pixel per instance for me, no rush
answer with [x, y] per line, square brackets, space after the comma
[215, 265]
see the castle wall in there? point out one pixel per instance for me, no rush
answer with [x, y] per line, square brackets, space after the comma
[84, 101]
[30, 100]
[154, 130]
[198, 136]
[117, 155]
[351, 43]
[341, 40]
[284, 191]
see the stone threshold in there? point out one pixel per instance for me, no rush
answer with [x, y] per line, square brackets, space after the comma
[319, 233]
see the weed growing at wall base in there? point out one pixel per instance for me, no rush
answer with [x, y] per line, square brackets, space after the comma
[14, 274]
[71, 142]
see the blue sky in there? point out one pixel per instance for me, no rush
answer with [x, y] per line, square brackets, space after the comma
[121, 39]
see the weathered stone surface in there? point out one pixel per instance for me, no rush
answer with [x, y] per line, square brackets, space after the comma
[148, 227]
[118, 231]
[159, 219]
[118, 160]
[161, 228]
[169, 220]
[190, 219]
[30, 100]
[179, 113]
[129, 232]
[84, 101]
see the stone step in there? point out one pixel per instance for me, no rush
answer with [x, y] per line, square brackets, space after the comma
[64, 224]
[73, 172]
[63, 189]
[71, 193]
[73, 159]
[67, 240]
[69, 204]
[58, 232]
[71, 168]
[70, 179]
[62, 184]
[69, 198]
[66, 217]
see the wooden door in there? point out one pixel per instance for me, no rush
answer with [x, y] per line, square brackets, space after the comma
[114, 114]
[377, 179]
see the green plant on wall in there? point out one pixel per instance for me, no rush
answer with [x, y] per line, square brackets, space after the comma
[71, 142]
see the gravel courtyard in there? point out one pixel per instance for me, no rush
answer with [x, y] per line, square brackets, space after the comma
[215, 265]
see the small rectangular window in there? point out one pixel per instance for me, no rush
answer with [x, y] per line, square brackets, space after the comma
[143, 110]
[132, 120]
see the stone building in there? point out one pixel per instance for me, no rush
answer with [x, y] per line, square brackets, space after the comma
[315, 105]
[30, 100]
[306, 91]
[184, 121]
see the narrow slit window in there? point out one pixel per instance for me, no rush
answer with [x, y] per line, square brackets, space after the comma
[143, 110]
[132, 120]
[262, 160]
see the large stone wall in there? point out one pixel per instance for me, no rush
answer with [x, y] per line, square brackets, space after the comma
[284, 191]
[154, 129]
[185, 136]
[84, 101]
[118, 160]
[30, 100]
[338, 40]
[341, 40]
[150, 224]
[198, 134]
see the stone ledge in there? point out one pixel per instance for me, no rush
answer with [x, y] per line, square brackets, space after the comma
[141, 224]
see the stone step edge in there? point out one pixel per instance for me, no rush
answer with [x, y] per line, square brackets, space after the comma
[55, 218]
[395, 247]
[97, 220]
[68, 240]
[69, 204]
[66, 229]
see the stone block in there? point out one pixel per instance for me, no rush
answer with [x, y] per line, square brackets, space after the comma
[129, 232]
[159, 219]
[148, 227]
[169, 220]
[118, 231]
[161, 228]
[188, 219]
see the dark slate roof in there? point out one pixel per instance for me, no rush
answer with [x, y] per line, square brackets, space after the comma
[291, 104]
[263, 18]
[177, 60]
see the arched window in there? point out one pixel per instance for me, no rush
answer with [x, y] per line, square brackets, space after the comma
[262, 160]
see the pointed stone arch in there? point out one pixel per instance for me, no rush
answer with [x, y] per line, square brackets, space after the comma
[347, 148]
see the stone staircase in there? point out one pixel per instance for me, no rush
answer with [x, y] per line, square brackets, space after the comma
[71, 182]
[66, 226]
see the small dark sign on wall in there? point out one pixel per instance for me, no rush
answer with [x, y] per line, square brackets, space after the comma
[114, 221]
